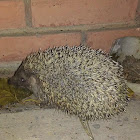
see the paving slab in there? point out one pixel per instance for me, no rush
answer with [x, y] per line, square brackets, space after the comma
[51, 124]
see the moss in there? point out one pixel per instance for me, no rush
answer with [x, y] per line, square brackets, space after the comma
[10, 94]
[130, 93]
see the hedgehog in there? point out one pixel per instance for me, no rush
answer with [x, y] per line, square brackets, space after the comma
[78, 80]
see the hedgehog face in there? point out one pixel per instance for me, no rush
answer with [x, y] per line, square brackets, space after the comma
[23, 79]
[20, 78]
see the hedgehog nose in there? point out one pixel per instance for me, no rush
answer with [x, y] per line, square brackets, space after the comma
[11, 81]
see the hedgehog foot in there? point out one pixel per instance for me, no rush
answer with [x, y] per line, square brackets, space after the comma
[86, 127]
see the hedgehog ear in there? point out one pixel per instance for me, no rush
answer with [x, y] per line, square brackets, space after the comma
[34, 86]
[32, 80]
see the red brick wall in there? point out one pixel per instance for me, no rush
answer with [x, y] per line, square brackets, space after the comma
[27, 25]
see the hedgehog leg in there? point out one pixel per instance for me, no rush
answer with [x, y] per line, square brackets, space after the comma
[86, 127]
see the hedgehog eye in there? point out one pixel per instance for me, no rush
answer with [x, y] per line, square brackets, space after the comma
[22, 80]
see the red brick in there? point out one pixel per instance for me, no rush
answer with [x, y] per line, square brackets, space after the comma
[105, 39]
[11, 14]
[76, 12]
[16, 48]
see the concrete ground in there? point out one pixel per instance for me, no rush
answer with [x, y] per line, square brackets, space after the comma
[33, 123]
